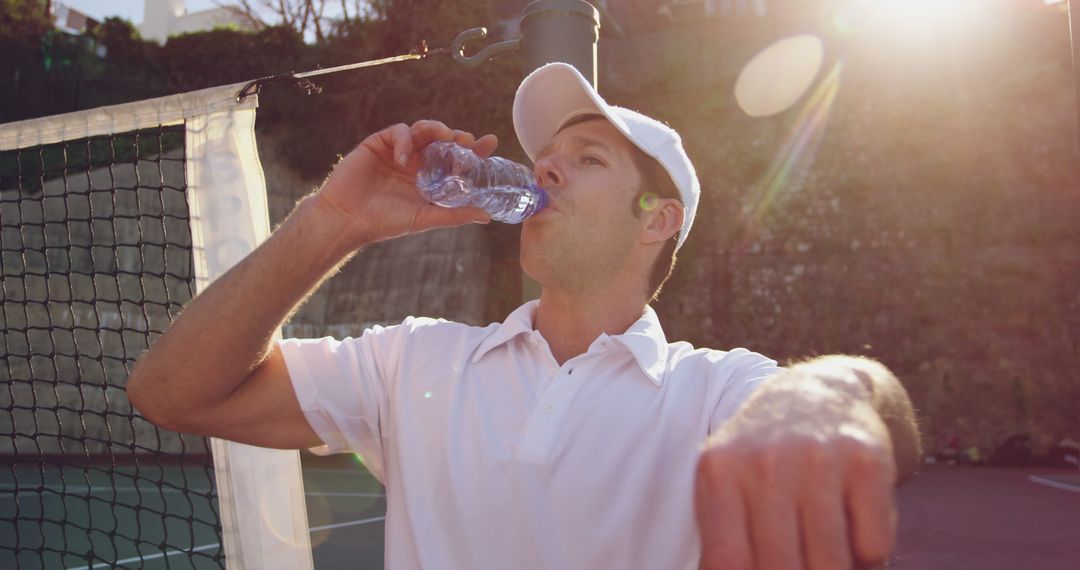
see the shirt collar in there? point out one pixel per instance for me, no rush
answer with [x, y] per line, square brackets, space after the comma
[645, 339]
[518, 322]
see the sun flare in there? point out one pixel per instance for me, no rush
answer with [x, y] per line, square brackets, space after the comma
[914, 17]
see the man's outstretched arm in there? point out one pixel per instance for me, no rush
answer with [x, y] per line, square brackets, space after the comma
[216, 371]
[803, 475]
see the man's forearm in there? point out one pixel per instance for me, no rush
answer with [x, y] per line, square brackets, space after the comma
[226, 331]
[806, 470]
[862, 379]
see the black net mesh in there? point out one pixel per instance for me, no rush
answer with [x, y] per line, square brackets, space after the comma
[96, 262]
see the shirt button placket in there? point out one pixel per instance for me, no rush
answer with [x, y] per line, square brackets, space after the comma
[543, 428]
[557, 391]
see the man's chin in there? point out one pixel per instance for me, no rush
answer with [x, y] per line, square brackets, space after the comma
[531, 262]
[526, 266]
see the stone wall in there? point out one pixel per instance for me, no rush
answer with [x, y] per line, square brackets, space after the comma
[930, 221]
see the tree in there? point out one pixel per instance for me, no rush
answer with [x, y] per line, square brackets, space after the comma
[24, 20]
[303, 16]
[23, 24]
[404, 22]
[122, 41]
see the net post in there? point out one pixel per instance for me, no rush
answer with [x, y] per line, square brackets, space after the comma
[260, 491]
[558, 31]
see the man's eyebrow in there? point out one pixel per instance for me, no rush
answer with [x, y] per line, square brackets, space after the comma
[577, 141]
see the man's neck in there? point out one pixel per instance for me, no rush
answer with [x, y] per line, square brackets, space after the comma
[570, 323]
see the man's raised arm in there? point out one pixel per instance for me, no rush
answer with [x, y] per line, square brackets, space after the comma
[216, 371]
[803, 475]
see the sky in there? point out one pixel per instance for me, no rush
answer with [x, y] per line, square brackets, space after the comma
[128, 9]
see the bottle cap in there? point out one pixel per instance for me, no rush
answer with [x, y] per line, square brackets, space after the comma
[541, 199]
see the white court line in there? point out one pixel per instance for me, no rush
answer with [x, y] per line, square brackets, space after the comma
[336, 494]
[1054, 484]
[344, 524]
[149, 557]
[349, 472]
[215, 545]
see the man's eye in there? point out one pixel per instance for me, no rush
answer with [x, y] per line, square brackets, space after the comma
[590, 160]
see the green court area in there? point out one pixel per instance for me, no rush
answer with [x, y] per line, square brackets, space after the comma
[166, 517]
[63, 516]
[346, 507]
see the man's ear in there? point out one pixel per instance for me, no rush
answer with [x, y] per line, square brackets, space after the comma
[662, 221]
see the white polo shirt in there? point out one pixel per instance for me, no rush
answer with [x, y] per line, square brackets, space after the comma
[494, 456]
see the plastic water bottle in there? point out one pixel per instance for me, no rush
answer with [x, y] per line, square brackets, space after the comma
[454, 176]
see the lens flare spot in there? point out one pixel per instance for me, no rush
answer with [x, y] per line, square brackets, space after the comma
[778, 76]
[273, 507]
[320, 513]
[794, 159]
[844, 20]
[648, 201]
[427, 394]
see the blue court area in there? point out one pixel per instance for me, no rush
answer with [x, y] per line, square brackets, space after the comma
[166, 517]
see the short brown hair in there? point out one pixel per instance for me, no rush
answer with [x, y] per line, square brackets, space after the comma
[656, 180]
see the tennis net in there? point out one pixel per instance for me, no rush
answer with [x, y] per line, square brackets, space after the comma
[110, 221]
[96, 258]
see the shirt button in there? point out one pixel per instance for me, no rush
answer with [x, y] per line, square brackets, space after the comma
[549, 409]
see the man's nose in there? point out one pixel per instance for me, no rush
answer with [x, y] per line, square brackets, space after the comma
[547, 173]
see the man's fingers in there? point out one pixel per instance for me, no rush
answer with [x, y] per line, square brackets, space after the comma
[774, 523]
[824, 521]
[721, 516]
[870, 507]
[424, 133]
[464, 138]
[485, 145]
[428, 130]
[401, 140]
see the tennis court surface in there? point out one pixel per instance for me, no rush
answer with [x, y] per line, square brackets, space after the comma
[950, 517]
[163, 516]
[989, 518]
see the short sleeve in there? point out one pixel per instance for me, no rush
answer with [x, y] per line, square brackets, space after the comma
[742, 373]
[343, 388]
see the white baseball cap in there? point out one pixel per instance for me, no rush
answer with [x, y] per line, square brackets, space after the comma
[556, 93]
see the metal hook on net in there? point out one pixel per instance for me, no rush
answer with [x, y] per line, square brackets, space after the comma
[421, 51]
[457, 47]
[252, 87]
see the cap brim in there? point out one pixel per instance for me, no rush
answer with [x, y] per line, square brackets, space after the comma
[546, 99]
[557, 92]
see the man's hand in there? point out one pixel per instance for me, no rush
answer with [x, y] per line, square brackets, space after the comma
[803, 476]
[217, 370]
[374, 186]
